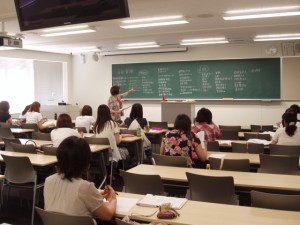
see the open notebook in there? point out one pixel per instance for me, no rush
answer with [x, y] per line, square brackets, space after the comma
[156, 201]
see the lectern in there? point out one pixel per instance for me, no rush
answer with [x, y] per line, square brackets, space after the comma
[170, 110]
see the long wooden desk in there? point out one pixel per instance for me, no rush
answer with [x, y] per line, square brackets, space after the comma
[21, 130]
[242, 180]
[253, 158]
[35, 159]
[196, 212]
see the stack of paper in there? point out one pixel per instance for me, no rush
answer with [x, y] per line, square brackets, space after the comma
[156, 201]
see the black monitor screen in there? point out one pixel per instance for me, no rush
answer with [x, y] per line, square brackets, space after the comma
[37, 14]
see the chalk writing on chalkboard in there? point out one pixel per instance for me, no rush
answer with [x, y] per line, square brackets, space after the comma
[210, 79]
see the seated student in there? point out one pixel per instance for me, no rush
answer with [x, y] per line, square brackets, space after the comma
[136, 114]
[33, 115]
[181, 141]
[203, 122]
[86, 118]
[5, 117]
[64, 129]
[290, 133]
[66, 192]
[106, 127]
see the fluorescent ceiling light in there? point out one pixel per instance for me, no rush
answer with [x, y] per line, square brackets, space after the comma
[257, 16]
[277, 37]
[81, 29]
[262, 9]
[204, 41]
[143, 20]
[138, 45]
[166, 23]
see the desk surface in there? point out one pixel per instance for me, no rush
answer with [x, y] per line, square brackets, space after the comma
[241, 179]
[35, 159]
[196, 212]
[253, 158]
[21, 130]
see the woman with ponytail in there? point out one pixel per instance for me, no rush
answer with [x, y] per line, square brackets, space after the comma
[290, 133]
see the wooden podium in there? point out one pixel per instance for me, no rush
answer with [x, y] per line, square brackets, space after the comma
[170, 110]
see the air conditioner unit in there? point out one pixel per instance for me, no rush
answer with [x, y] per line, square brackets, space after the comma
[10, 43]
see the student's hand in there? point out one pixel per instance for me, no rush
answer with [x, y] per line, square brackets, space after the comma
[109, 193]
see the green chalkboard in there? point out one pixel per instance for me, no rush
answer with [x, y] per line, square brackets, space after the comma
[210, 79]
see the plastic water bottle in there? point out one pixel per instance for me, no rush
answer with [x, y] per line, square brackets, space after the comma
[139, 132]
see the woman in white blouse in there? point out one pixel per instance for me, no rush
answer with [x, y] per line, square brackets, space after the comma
[64, 129]
[86, 118]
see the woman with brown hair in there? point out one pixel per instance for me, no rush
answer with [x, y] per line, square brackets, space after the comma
[115, 103]
[64, 129]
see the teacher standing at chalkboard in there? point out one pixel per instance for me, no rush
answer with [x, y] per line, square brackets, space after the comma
[115, 102]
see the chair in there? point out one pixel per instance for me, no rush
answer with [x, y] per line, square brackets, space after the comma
[165, 160]
[33, 126]
[8, 141]
[142, 184]
[23, 148]
[241, 165]
[41, 136]
[81, 129]
[2, 124]
[267, 128]
[255, 128]
[213, 146]
[50, 218]
[250, 136]
[264, 137]
[229, 135]
[224, 127]
[163, 125]
[279, 164]
[5, 132]
[275, 201]
[126, 131]
[19, 173]
[214, 163]
[49, 149]
[256, 148]
[284, 149]
[212, 189]
[98, 166]
[239, 147]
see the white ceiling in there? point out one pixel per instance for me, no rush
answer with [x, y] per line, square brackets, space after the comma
[205, 17]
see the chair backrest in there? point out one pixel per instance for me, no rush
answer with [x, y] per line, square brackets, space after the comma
[256, 148]
[275, 201]
[264, 137]
[18, 170]
[165, 160]
[49, 149]
[250, 136]
[8, 146]
[215, 163]
[225, 127]
[279, 164]
[284, 149]
[33, 126]
[3, 124]
[267, 128]
[50, 218]
[163, 125]
[126, 131]
[213, 146]
[255, 128]
[5, 132]
[97, 141]
[23, 148]
[229, 135]
[81, 129]
[212, 189]
[142, 184]
[242, 165]
[239, 147]
[41, 136]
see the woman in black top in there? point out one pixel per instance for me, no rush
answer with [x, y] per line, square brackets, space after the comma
[136, 113]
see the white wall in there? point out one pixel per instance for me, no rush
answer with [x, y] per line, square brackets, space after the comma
[92, 82]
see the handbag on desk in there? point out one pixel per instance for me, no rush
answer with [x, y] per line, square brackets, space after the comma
[167, 212]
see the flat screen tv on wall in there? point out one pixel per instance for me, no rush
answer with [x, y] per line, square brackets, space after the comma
[38, 14]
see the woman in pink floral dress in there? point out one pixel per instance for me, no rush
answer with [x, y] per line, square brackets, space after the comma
[181, 141]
